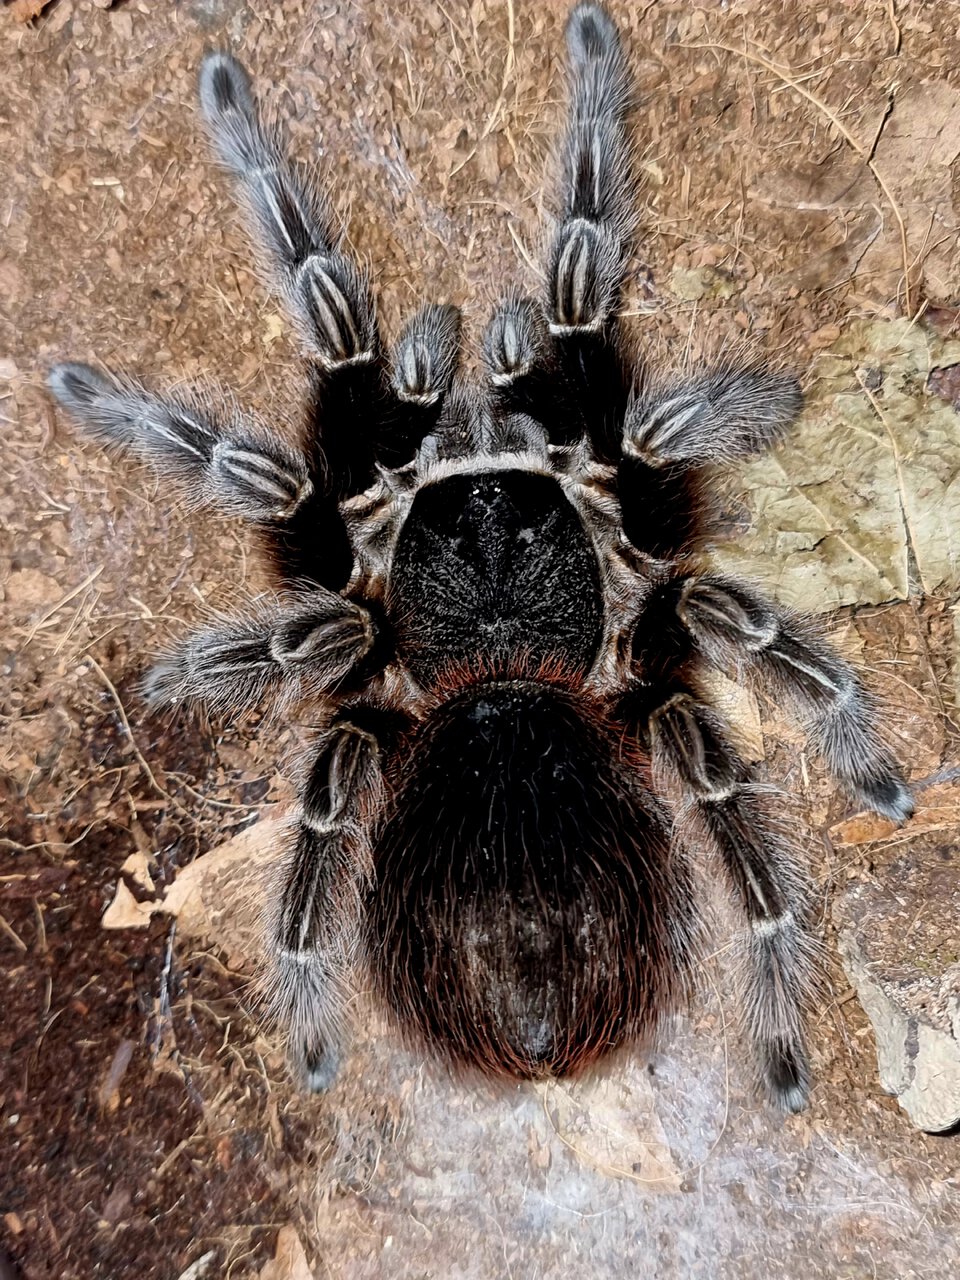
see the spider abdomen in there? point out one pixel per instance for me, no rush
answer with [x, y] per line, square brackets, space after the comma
[522, 923]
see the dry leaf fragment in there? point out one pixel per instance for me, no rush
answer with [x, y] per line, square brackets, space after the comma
[289, 1261]
[25, 10]
[614, 1129]
[137, 867]
[829, 503]
[108, 1095]
[125, 912]
[215, 898]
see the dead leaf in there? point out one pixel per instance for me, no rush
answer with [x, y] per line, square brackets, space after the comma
[273, 327]
[865, 828]
[217, 897]
[125, 912]
[834, 505]
[137, 866]
[739, 708]
[916, 153]
[614, 1129]
[108, 1095]
[25, 10]
[289, 1261]
[702, 282]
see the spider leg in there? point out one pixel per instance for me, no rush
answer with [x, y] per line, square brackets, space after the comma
[360, 413]
[728, 412]
[217, 457]
[671, 432]
[560, 360]
[740, 632]
[313, 924]
[720, 807]
[290, 651]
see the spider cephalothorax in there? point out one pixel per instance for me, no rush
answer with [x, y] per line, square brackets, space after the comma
[494, 599]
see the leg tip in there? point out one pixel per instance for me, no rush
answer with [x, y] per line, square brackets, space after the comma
[887, 795]
[225, 86]
[786, 1077]
[77, 386]
[591, 34]
[316, 1067]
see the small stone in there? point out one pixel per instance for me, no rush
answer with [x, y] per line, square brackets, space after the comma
[898, 943]
[702, 282]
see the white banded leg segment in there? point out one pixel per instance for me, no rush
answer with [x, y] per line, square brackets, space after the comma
[313, 925]
[729, 814]
[195, 439]
[177, 432]
[778, 982]
[289, 213]
[584, 276]
[327, 294]
[515, 340]
[333, 308]
[587, 258]
[726, 620]
[425, 356]
[283, 654]
[258, 477]
[689, 748]
[741, 633]
[726, 414]
[597, 180]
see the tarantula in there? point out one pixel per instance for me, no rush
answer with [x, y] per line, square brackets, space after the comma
[495, 601]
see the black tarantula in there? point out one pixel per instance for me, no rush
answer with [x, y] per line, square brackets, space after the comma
[495, 599]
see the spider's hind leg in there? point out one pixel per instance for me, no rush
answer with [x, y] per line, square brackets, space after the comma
[720, 807]
[315, 908]
[740, 632]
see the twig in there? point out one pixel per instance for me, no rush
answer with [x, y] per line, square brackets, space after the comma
[12, 934]
[141, 759]
[81, 586]
[499, 104]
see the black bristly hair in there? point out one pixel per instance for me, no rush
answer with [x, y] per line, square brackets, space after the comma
[494, 604]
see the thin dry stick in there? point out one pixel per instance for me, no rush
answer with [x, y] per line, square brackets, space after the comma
[12, 934]
[865, 155]
[501, 100]
[75, 591]
[141, 759]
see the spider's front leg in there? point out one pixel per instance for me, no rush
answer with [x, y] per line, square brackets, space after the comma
[674, 429]
[218, 457]
[316, 902]
[559, 360]
[720, 807]
[365, 408]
